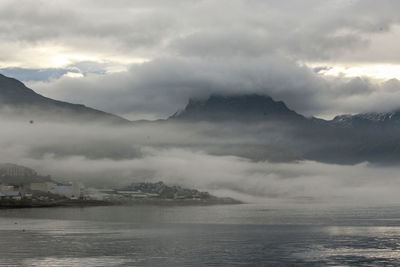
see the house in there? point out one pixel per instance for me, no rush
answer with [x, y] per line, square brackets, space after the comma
[6, 188]
[10, 195]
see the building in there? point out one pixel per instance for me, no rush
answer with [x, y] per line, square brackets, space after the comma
[13, 195]
[43, 187]
[72, 191]
[98, 194]
[132, 194]
[6, 188]
[76, 188]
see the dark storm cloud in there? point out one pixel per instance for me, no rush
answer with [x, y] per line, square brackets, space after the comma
[160, 87]
[83, 27]
[196, 48]
[306, 30]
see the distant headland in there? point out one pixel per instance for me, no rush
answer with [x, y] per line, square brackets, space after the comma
[22, 187]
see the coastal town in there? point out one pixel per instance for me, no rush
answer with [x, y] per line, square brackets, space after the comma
[24, 187]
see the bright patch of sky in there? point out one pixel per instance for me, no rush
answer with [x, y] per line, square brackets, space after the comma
[375, 71]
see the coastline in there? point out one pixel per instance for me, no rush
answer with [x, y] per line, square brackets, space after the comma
[20, 204]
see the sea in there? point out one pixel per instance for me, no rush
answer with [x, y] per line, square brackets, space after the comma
[222, 235]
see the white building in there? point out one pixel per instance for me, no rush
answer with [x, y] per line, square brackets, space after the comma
[133, 194]
[99, 194]
[43, 187]
[72, 191]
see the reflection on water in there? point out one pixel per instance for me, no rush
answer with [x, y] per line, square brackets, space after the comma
[250, 235]
[72, 262]
[353, 256]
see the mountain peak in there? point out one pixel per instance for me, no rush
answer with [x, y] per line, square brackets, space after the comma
[371, 120]
[236, 107]
[18, 100]
[15, 92]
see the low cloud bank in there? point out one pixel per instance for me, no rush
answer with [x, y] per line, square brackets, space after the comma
[265, 182]
[144, 156]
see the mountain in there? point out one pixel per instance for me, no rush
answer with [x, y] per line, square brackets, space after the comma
[251, 126]
[236, 108]
[18, 100]
[272, 131]
[371, 120]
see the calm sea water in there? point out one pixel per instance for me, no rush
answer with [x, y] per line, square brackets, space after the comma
[237, 235]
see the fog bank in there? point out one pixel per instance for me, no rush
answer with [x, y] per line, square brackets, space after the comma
[101, 155]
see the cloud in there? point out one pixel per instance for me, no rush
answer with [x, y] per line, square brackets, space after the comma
[273, 183]
[162, 86]
[27, 75]
[177, 154]
[193, 48]
[308, 182]
[159, 88]
[79, 69]
[309, 31]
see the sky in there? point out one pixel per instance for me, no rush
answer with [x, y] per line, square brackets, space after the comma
[145, 59]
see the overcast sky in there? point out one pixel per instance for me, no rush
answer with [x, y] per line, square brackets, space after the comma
[144, 59]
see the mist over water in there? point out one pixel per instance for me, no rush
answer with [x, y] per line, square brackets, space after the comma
[196, 155]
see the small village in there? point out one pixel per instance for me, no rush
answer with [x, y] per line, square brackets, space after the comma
[23, 187]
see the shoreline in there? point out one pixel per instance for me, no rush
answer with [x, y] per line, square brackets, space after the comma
[22, 204]
[67, 203]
